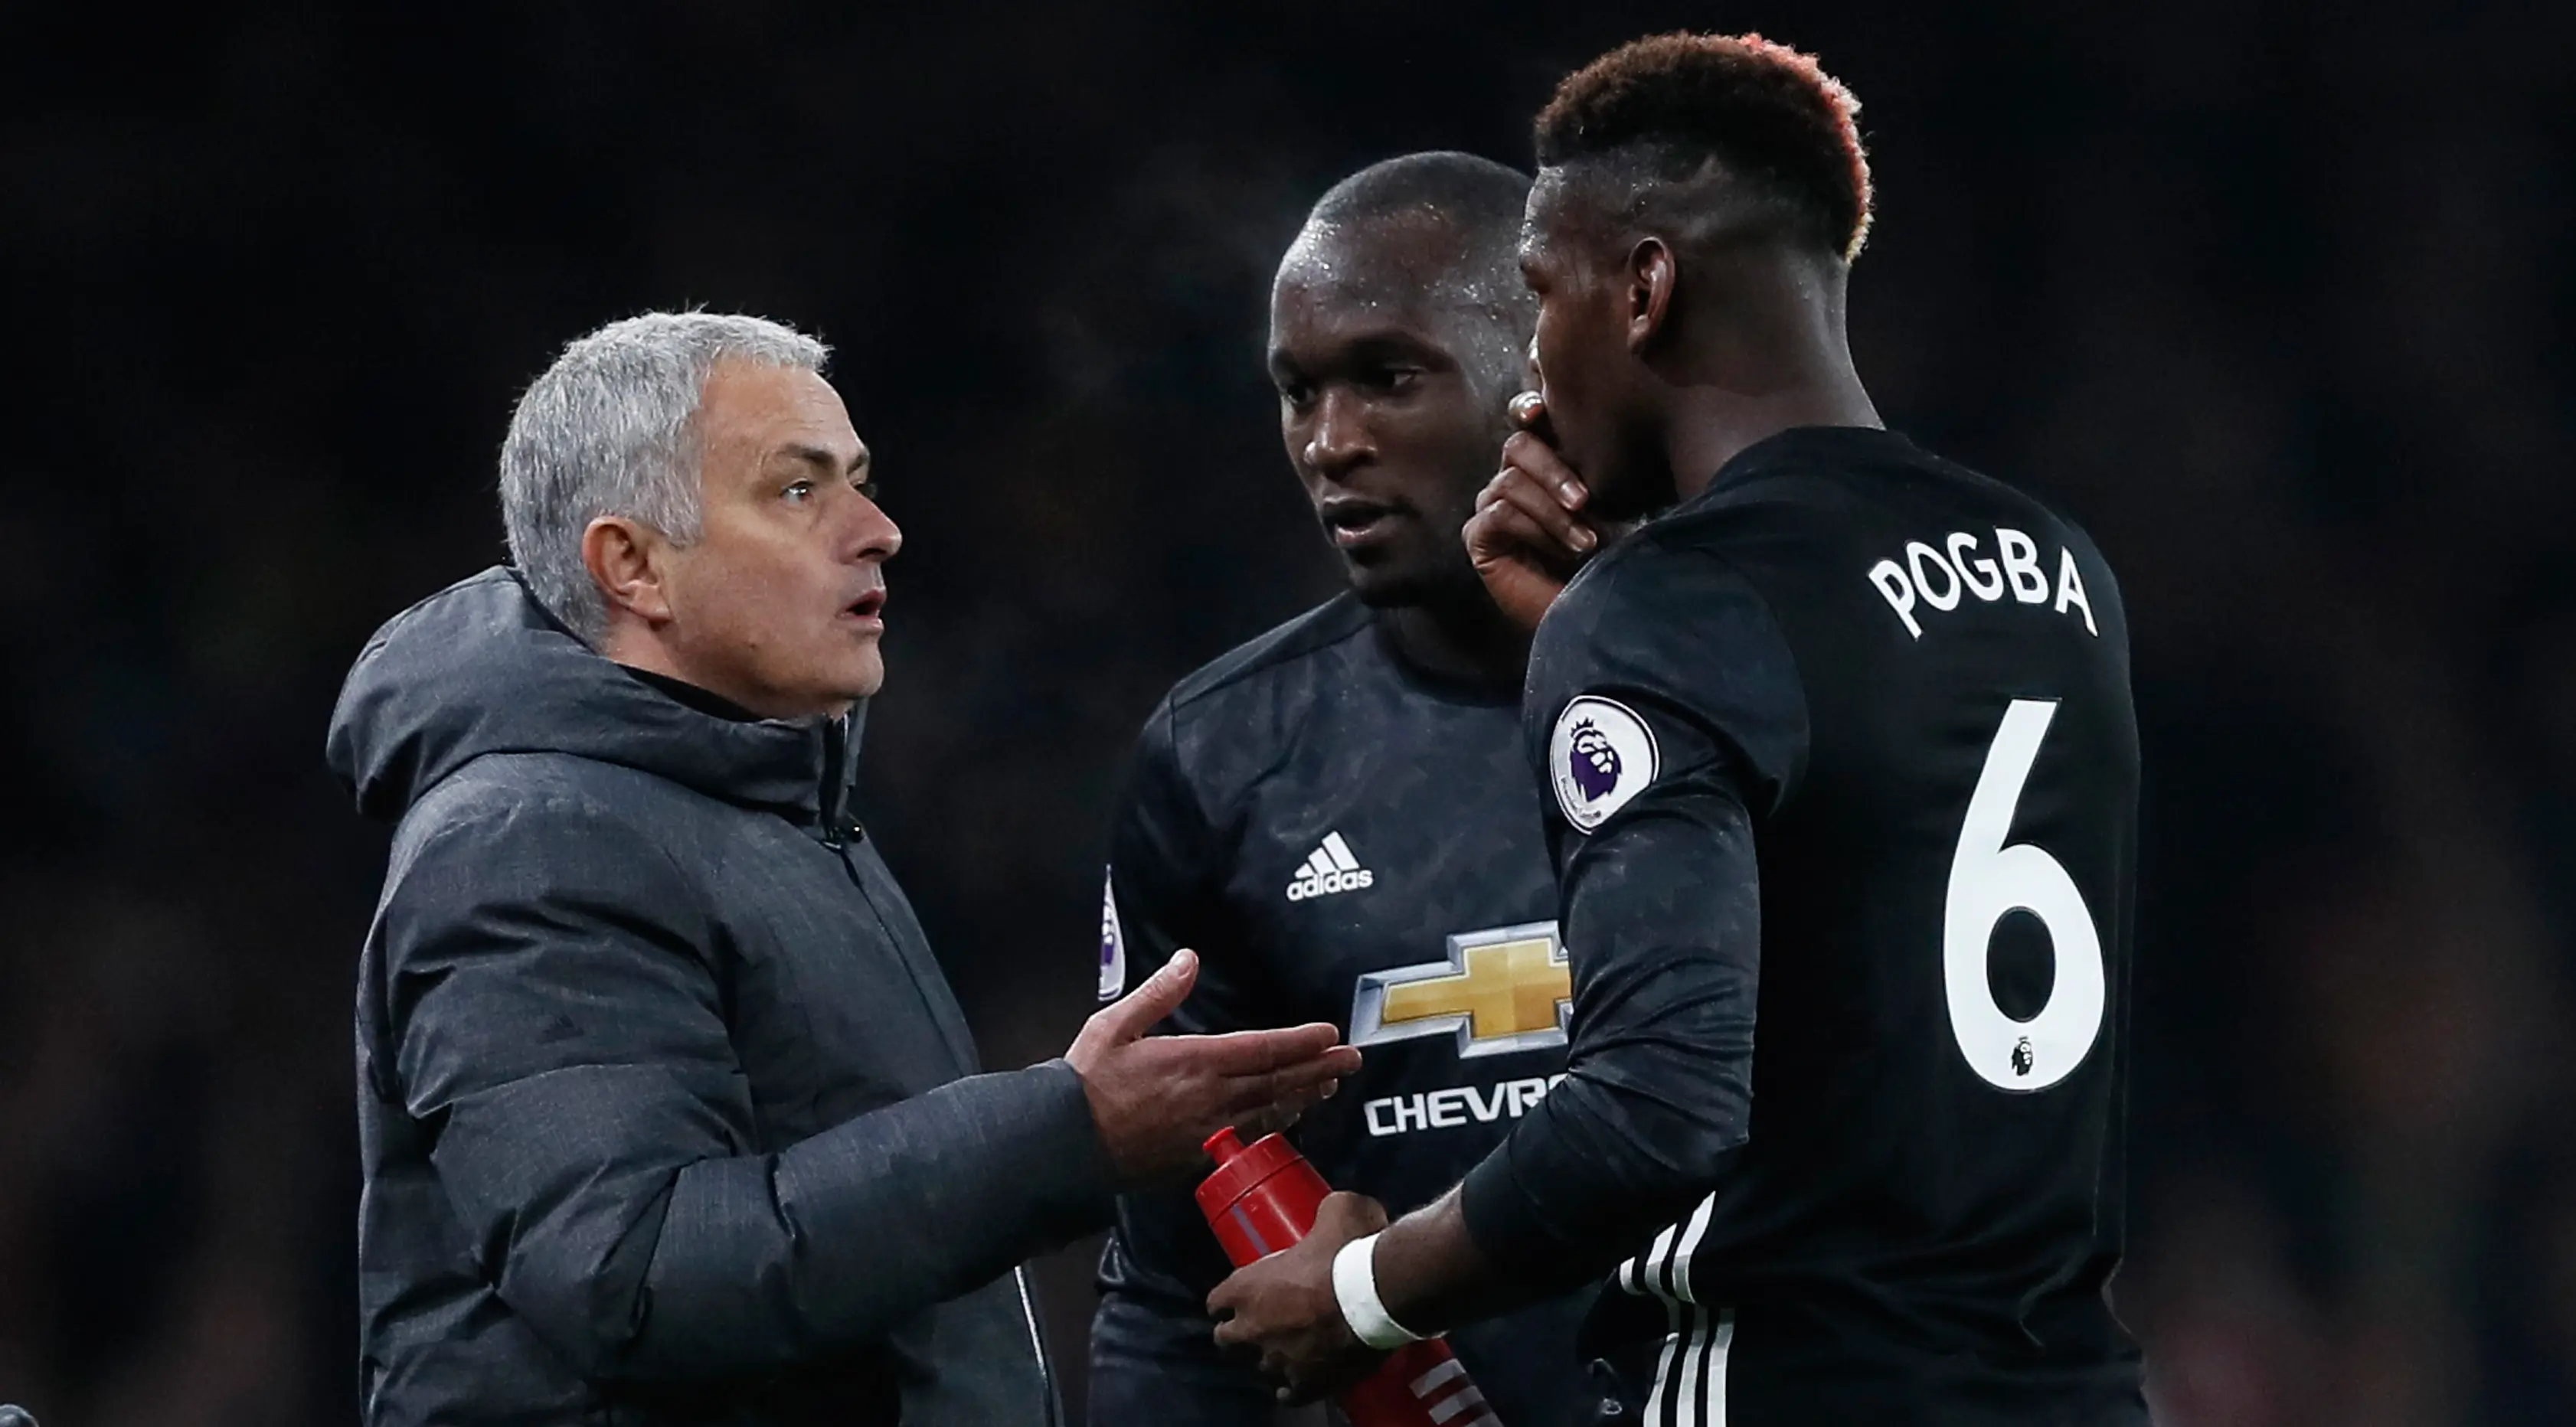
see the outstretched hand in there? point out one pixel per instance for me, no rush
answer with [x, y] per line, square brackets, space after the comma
[1156, 1099]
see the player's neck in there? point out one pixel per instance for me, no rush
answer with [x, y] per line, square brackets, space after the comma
[1778, 358]
[1711, 426]
[1462, 641]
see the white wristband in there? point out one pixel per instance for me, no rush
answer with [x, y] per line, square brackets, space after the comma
[1355, 1288]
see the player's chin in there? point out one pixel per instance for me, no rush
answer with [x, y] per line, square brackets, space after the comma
[1392, 587]
[1394, 573]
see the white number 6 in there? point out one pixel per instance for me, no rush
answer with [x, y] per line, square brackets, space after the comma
[1989, 881]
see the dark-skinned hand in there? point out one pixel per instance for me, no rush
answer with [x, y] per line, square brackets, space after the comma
[1529, 534]
[1282, 1307]
[1156, 1099]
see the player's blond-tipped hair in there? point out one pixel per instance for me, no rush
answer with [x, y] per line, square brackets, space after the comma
[1768, 112]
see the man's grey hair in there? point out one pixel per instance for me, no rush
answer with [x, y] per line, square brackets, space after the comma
[611, 429]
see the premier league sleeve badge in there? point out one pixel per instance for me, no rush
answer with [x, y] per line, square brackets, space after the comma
[1600, 756]
[1113, 943]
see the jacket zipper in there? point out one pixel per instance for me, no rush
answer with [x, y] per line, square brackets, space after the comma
[1037, 1344]
[838, 836]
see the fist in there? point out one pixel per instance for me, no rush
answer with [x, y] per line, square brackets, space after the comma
[1283, 1307]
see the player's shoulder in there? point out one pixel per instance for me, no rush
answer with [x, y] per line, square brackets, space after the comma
[1287, 660]
[1686, 557]
[1844, 528]
[1228, 719]
[1808, 503]
[1671, 617]
[1829, 484]
[1783, 495]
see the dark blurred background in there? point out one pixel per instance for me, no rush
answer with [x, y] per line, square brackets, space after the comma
[2274, 295]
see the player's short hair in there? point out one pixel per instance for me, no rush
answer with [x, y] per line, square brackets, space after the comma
[1767, 114]
[1473, 193]
[1478, 203]
[610, 429]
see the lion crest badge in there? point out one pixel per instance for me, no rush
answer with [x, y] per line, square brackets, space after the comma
[1601, 755]
[1113, 943]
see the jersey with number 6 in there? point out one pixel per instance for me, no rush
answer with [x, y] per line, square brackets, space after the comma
[1846, 743]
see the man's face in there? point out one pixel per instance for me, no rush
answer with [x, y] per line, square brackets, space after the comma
[1586, 370]
[778, 605]
[1391, 413]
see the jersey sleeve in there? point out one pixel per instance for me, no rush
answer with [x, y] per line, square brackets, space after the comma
[1153, 1353]
[1665, 719]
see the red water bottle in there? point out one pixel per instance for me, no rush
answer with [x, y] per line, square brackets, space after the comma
[1261, 1200]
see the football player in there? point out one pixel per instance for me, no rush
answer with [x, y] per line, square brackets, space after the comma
[1841, 776]
[1336, 814]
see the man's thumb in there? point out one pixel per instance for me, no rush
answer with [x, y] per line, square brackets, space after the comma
[1161, 995]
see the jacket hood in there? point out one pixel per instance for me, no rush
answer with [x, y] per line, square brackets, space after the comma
[480, 668]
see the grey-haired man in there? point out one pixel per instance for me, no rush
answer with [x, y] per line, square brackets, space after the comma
[667, 1113]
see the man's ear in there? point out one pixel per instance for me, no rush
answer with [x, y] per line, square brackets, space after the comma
[1652, 277]
[626, 560]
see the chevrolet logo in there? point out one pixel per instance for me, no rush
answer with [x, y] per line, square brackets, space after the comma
[1504, 990]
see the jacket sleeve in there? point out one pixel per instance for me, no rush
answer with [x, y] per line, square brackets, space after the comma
[559, 1031]
[1674, 661]
[1153, 1354]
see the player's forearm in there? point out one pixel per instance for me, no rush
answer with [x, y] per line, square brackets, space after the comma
[1665, 917]
[1608, 1182]
[1581, 1186]
[1432, 1275]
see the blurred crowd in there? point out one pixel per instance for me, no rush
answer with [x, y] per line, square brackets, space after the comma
[2272, 296]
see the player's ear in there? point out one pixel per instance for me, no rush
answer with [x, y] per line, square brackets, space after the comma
[626, 562]
[1652, 276]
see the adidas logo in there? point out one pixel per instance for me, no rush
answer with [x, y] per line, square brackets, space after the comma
[1329, 869]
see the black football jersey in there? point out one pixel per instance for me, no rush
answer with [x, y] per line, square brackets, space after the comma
[1343, 839]
[1841, 779]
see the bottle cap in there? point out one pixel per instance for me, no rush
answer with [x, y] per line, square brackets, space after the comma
[1239, 1168]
